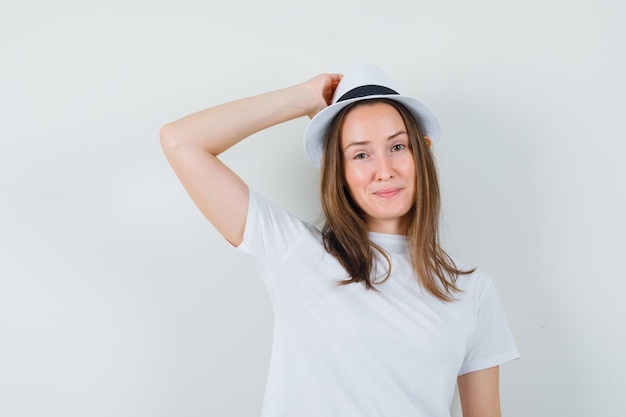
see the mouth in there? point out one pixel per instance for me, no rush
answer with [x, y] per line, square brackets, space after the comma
[387, 193]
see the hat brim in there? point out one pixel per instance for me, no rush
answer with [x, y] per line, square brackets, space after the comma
[316, 131]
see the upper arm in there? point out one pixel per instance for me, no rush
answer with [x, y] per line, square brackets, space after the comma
[479, 392]
[220, 194]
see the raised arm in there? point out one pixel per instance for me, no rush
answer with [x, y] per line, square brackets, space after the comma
[193, 143]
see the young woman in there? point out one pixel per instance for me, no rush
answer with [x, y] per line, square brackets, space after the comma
[372, 317]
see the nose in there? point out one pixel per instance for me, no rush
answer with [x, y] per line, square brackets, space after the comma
[384, 168]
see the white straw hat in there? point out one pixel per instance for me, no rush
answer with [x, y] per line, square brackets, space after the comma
[364, 82]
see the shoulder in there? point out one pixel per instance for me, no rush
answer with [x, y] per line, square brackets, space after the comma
[282, 246]
[270, 229]
[474, 284]
[270, 215]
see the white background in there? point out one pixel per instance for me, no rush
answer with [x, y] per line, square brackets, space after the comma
[118, 299]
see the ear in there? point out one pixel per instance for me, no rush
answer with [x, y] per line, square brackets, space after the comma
[428, 141]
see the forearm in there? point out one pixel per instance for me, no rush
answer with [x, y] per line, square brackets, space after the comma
[218, 128]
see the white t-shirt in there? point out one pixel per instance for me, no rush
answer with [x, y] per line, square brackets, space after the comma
[343, 351]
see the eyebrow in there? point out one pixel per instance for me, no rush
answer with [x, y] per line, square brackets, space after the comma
[365, 142]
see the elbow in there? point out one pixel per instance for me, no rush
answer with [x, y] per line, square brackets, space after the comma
[168, 137]
[173, 139]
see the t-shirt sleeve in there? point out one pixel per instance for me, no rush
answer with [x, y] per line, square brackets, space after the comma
[271, 233]
[491, 343]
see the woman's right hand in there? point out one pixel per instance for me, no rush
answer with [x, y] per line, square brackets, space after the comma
[322, 88]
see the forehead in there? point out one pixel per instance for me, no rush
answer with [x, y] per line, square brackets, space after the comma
[370, 118]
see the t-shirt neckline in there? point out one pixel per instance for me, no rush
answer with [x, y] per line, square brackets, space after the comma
[389, 242]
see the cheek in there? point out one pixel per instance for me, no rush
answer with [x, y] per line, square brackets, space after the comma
[405, 166]
[355, 178]
[409, 172]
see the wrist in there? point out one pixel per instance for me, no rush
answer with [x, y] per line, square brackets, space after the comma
[306, 99]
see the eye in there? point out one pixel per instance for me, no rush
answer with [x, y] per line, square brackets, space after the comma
[398, 147]
[360, 155]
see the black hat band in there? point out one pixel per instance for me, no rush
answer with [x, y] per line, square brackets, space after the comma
[367, 90]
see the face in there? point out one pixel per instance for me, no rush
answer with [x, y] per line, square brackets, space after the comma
[379, 167]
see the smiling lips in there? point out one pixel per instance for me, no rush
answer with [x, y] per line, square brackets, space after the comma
[387, 192]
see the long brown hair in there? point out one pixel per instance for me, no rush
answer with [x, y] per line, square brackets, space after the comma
[345, 231]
